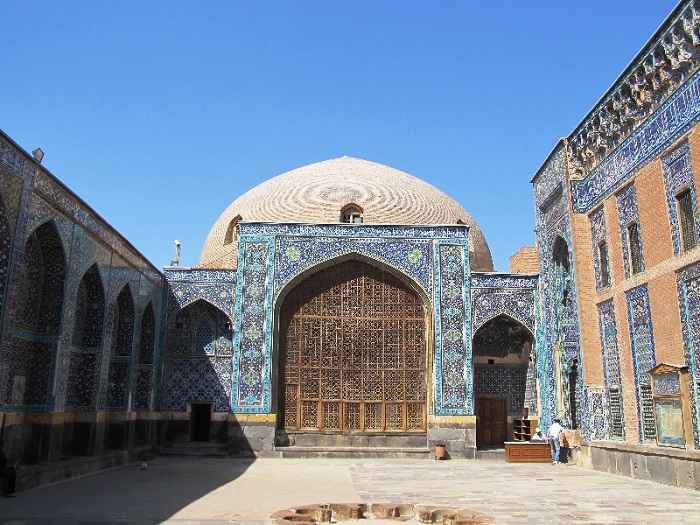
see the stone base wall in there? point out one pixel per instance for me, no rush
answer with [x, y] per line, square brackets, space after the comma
[52, 446]
[676, 467]
[457, 433]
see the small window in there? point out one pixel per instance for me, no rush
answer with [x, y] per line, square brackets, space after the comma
[686, 218]
[635, 240]
[351, 214]
[604, 264]
[231, 236]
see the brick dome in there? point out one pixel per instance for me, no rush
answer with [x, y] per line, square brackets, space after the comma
[320, 193]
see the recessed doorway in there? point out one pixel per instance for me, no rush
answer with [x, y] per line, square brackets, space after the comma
[492, 424]
[200, 421]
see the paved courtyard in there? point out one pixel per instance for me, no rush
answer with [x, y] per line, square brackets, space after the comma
[187, 491]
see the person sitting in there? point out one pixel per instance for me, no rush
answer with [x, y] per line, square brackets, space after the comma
[538, 436]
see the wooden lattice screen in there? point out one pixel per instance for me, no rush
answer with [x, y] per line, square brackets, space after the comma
[353, 353]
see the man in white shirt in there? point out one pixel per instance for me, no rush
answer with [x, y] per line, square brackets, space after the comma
[553, 434]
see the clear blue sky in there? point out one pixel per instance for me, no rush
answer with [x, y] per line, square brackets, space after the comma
[160, 114]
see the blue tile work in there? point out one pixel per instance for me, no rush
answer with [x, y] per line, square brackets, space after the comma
[608, 336]
[611, 370]
[184, 361]
[353, 231]
[599, 234]
[667, 384]
[514, 296]
[599, 413]
[560, 328]
[628, 211]
[296, 255]
[253, 326]
[497, 380]
[678, 175]
[205, 380]
[273, 257]
[674, 118]
[16, 192]
[217, 287]
[689, 299]
[647, 85]
[519, 305]
[453, 361]
[642, 337]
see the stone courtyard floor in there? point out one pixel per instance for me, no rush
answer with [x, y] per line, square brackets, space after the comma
[189, 491]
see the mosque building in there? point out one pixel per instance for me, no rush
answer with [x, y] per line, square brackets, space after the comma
[349, 308]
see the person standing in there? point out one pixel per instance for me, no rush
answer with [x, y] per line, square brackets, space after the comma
[553, 437]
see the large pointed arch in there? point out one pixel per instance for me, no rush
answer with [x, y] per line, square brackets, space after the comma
[87, 337]
[38, 318]
[205, 354]
[504, 374]
[353, 350]
[143, 392]
[119, 378]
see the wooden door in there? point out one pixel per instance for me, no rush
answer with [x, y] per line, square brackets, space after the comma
[492, 424]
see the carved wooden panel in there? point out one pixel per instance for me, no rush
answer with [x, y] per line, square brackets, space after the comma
[354, 353]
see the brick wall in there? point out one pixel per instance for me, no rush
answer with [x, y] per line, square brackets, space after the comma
[525, 260]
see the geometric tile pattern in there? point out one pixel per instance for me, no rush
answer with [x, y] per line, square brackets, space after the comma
[689, 299]
[518, 305]
[453, 338]
[598, 235]
[641, 91]
[643, 352]
[678, 174]
[490, 380]
[251, 358]
[599, 414]
[298, 254]
[611, 369]
[205, 380]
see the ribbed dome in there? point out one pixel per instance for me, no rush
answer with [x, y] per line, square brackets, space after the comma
[318, 193]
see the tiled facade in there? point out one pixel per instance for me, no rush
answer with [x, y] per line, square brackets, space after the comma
[79, 322]
[619, 194]
[108, 355]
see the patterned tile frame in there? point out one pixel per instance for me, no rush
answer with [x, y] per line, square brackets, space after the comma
[642, 338]
[553, 221]
[598, 234]
[688, 280]
[668, 123]
[628, 210]
[598, 413]
[611, 369]
[264, 247]
[454, 381]
[514, 296]
[678, 174]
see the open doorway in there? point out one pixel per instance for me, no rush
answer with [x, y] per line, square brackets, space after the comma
[200, 421]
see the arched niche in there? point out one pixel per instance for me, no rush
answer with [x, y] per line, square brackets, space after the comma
[353, 352]
[38, 316]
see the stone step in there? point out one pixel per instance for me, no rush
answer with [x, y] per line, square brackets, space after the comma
[197, 449]
[355, 452]
[493, 454]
